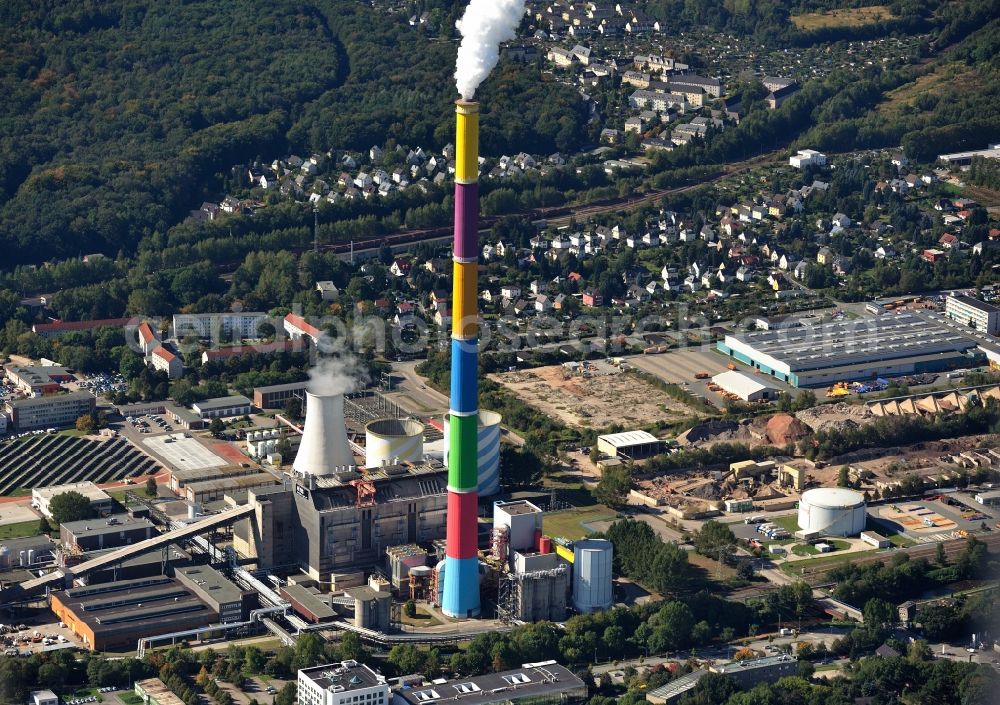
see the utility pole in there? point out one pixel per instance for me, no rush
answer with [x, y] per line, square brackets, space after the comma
[315, 228]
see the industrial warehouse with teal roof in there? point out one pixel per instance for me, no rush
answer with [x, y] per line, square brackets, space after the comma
[815, 356]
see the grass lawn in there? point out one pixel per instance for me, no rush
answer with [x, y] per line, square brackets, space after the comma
[901, 541]
[130, 698]
[568, 523]
[843, 17]
[23, 528]
[423, 618]
[73, 432]
[711, 566]
[789, 523]
[806, 549]
[19, 492]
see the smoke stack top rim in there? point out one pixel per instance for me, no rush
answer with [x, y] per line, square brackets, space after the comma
[466, 107]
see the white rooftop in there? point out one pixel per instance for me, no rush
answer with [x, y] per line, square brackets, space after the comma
[740, 384]
[87, 488]
[629, 438]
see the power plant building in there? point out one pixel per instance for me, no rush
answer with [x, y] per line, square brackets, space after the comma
[231, 603]
[98, 534]
[111, 616]
[814, 356]
[276, 396]
[541, 583]
[222, 407]
[327, 525]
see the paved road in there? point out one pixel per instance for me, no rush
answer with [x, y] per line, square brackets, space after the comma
[413, 393]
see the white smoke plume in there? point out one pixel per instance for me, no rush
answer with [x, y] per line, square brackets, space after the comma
[340, 374]
[485, 24]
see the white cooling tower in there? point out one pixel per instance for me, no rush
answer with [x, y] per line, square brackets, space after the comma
[324, 449]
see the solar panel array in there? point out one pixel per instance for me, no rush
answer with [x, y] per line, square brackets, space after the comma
[48, 459]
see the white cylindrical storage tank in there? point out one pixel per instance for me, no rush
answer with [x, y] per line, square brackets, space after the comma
[4, 558]
[22, 556]
[834, 511]
[389, 439]
[592, 589]
[31, 556]
[488, 453]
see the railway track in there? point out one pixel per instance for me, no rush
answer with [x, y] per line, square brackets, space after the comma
[951, 548]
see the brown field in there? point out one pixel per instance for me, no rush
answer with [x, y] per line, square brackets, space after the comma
[844, 17]
[593, 402]
[944, 79]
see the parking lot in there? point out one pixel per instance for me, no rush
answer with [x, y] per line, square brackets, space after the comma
[102, 384]
[149, 424]
[37, 635]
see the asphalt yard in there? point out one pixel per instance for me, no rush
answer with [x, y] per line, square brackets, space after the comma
[181, 452]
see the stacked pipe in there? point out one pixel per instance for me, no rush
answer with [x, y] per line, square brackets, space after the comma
[461, 574]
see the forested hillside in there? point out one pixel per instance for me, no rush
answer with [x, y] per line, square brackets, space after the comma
[119, 116]
[115, 113]
[122, 115]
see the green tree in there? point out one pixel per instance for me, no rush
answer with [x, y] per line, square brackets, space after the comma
[150, 486]
[287, 694]
[70, 506]
[254, 660]
[410, 609]
[879, 615]
[714, 538]
[614, 486]
[614, 639]
[216, 427]
[308, 650]
[843, 476]
[351, 648]
[940, 556]
[407, 659]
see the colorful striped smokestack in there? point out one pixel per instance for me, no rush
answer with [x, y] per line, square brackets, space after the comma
[461, 570]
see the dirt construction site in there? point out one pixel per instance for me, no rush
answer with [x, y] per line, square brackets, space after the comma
[594, 394]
